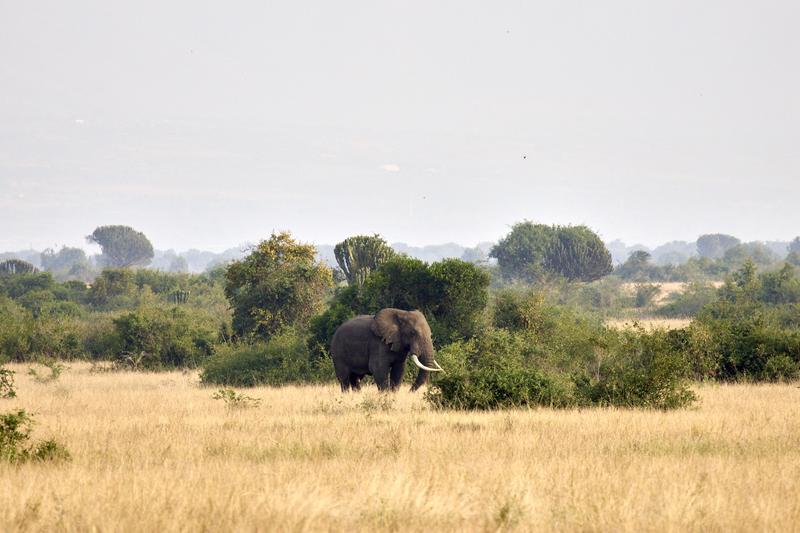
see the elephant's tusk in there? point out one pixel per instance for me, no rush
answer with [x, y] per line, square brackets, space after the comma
[437, 365]
[423, 367]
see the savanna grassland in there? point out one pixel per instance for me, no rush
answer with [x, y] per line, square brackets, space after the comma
[155, 452]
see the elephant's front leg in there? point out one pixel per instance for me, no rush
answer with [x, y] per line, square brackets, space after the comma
[380, 373]
[398, 369]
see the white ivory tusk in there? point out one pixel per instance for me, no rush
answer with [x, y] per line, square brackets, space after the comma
[423, 367]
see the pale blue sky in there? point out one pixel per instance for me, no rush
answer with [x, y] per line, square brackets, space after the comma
[208, 124]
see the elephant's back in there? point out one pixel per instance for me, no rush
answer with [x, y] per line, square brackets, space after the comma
[355, 325]
[357, 330]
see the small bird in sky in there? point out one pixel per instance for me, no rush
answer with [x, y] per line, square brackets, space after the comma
[524, 157]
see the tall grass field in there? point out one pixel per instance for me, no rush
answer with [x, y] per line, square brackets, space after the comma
[158, 452]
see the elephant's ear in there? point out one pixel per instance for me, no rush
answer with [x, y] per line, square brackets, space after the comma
[385, 326]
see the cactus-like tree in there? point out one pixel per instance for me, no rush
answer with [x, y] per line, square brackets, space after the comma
[359, 255]
[17, 266]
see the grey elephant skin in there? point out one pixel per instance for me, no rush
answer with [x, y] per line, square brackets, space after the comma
[378, 345]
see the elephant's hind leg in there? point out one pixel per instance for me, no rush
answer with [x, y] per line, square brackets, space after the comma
[343, 375]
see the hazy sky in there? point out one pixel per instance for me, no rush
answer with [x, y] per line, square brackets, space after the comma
[208, 124]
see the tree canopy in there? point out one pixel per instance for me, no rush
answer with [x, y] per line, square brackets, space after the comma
[794, 246]
[531, 251]
[714, 245]
[279, 284]
[122, 246]
[66, 263]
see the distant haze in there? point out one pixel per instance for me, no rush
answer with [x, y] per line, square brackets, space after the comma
[206, 125]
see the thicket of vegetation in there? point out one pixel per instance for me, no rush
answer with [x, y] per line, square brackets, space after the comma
[529, 331]
[538, 353]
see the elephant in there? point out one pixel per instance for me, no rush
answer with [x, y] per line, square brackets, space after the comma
[379, 345]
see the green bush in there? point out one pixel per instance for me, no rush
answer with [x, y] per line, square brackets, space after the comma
[170, 336]
[282, 360]
[100, 340]
[324, 326]
[639, 369]
[24, 337]
[563, 362]
[499, 388]
[15, 431]
[750, 331]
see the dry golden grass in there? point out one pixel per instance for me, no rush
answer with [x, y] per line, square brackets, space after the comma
[649, 324]
[154, 452]
[667, 289]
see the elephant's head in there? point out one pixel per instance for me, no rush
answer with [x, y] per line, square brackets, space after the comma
[408, 332]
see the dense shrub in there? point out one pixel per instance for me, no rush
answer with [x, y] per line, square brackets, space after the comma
[113, 289]
[749, 344]
[25, 336]
[18, 285]
[751, 330]
[284, 359]
[562, 365]
[497, 370]
[170, 336]
[499, 388]
[639, 369]
[323, 327]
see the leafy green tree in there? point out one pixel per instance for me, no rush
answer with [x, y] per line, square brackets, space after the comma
[122, 246]
[179, 264]
[402, 282]
[66, 263]
[358, 256]
[637, 266]
[531, 251]
[278, 284]
[521, 253]
[474, 255]
[459, 297]
[793, 258]
[714, 245]
[794, 246]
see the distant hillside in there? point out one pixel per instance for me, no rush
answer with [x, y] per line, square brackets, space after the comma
[674, 252]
